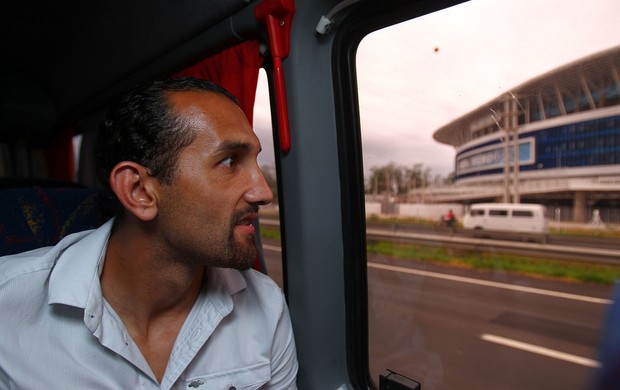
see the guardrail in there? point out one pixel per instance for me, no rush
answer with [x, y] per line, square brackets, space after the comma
[578, 253]
[563, 252]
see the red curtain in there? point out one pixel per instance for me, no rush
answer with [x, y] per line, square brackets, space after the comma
[59, 157]
[235, 69]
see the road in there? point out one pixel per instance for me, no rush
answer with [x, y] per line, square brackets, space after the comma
[453, 328]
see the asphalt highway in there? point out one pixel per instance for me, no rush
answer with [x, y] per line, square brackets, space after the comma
[454, 328]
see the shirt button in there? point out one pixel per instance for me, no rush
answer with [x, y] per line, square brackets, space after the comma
[196, 383]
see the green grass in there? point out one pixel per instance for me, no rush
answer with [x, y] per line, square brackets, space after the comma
[270, 233]
[401, 220]
[539, 267]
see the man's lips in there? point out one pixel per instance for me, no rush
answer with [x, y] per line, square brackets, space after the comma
[247, 221]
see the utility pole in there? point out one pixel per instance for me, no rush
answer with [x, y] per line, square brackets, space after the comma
[506, 127]
[514, 114]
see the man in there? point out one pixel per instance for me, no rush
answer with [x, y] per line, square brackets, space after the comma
[163, 295]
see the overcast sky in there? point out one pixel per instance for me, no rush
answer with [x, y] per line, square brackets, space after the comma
[417, 76]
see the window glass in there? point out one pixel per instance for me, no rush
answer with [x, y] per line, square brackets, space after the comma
[522, 213]
[269, 214]
[486, 102]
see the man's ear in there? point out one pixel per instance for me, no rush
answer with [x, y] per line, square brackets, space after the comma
[135, 189]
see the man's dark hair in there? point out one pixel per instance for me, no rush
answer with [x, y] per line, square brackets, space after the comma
[142, 126]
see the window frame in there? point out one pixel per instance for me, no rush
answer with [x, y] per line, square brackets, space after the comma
[358, 23]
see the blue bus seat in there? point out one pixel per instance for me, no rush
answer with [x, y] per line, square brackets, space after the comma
[34, 217]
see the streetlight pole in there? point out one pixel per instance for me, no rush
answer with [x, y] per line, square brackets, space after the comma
[514, 114]
[506, 127]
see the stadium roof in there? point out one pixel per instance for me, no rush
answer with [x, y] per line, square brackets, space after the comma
[549, 85]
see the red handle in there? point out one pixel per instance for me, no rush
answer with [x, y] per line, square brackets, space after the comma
[277, 16]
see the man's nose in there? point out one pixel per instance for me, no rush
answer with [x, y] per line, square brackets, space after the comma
[260, 193]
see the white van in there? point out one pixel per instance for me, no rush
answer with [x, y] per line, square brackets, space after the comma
[527, 220]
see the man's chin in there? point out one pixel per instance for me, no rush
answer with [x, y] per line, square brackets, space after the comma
[244, 257]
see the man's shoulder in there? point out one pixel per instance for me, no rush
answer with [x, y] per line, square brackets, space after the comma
[25, 263]
[23, 282]
[265, 290]
[36, 261]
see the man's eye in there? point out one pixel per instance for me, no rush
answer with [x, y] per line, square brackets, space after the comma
[228, 161]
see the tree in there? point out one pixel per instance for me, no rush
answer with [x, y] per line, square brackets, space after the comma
[400, 180]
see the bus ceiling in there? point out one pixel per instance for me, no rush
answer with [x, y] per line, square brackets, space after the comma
[64, 60]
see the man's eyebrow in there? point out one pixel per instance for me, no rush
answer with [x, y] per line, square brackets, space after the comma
[228, 146]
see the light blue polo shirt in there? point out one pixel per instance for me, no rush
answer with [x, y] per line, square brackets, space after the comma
[58, 332]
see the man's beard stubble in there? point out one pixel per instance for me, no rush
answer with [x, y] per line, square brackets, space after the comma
[242, 256]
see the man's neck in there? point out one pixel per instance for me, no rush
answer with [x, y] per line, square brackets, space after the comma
[140, 276]
[152, 296]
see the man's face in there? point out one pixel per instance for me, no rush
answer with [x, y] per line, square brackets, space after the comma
[206, 213]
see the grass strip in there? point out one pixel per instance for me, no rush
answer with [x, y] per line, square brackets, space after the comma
[270, 233]
[539, 267]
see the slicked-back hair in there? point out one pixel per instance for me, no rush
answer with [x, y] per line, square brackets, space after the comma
[142, 126]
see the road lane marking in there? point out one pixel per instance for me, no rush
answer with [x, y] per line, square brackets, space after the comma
[540, 350]
[489, 283]
[493, 338]
[479, 282]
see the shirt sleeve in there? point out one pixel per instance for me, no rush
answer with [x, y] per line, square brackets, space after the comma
[283, 355]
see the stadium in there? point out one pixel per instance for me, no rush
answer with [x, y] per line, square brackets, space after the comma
[554, 140]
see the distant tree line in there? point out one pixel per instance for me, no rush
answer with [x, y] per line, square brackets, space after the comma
[400, 179]
[397, 179]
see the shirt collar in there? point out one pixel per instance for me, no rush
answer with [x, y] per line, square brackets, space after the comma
[232, 279]
[80, 263]
[78, 267]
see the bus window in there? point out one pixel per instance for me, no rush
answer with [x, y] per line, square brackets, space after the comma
[487, 102]
[269, 214]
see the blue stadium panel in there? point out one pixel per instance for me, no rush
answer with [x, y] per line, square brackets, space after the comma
[580, 144]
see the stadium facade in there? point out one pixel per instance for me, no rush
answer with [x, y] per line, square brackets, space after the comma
[553, 140]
